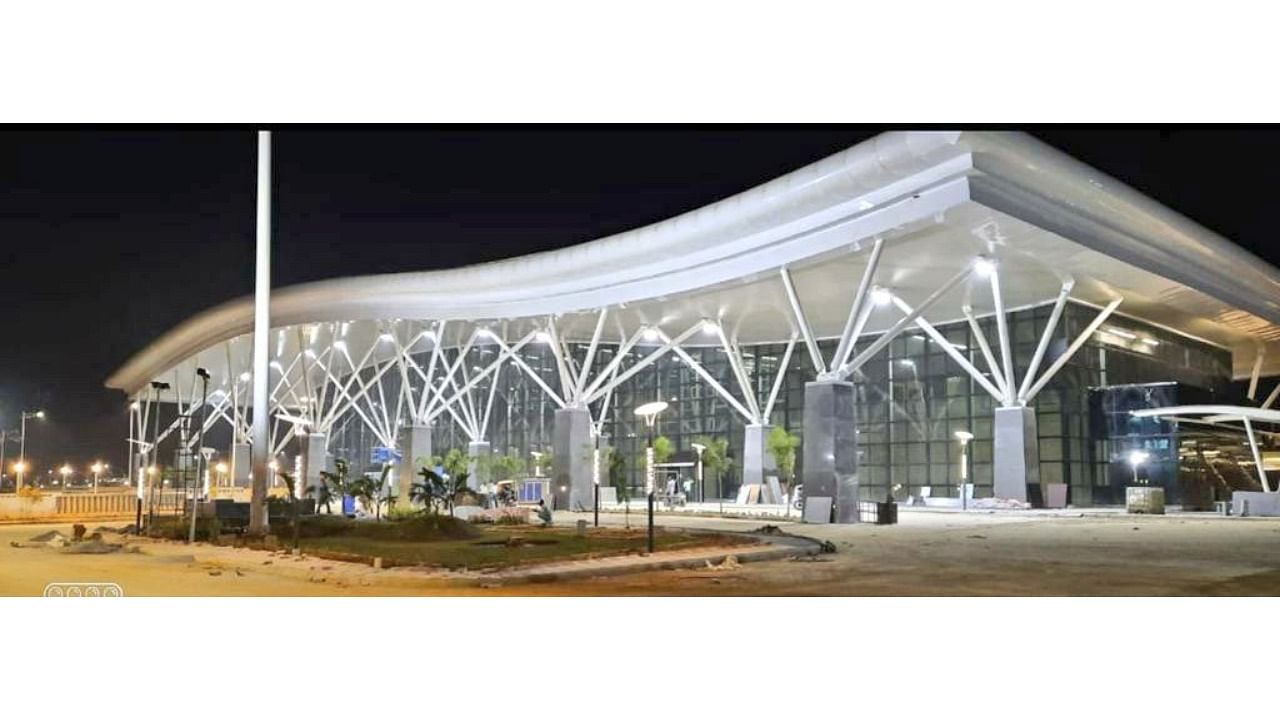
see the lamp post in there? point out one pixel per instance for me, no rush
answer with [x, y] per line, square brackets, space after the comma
[156, 388]
[22, 446]
[650, 411]
[202, 460]
[595, 479]
[702, 485]
[4, 445]
[964, 436]
[65, 471]
[1136, 458]
[96, 468]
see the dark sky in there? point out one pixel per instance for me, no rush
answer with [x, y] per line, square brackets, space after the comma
[112, 237]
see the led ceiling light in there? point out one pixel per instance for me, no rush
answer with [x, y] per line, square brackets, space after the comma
[984, 266]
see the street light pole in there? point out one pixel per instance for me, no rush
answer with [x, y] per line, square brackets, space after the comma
[154, 469]
[964, 437]
[702, 482]
[201, 459]
[649, 411]
[595, 478]
[22, 447]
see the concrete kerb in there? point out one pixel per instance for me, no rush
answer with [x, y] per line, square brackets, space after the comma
[777, 547]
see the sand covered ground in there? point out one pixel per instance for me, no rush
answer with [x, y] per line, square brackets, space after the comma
[927, 554]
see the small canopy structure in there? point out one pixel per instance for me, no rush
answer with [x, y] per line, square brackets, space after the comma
[1225, 415]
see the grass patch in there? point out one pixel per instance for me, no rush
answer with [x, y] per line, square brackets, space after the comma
[495, 548]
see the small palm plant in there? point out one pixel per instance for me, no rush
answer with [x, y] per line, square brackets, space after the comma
[370, 492]
[428, 491]
[289, 483]
[437, 490]
[333, 485]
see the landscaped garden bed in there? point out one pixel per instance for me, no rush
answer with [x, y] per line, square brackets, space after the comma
[441, 541]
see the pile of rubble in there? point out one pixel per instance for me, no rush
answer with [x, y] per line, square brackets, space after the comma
[998, 504]
[76, 545]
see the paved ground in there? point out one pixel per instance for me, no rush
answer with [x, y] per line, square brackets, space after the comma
[927, 554]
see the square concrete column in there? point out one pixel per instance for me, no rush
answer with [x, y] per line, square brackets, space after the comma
[241, 467]
[415, 454]
[481, 455]
[830, 450]
[1016, 452]
[572, 449]
[312, 460]
[756, 460]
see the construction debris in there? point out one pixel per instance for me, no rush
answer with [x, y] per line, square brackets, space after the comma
[92, 547]
[730, 563]
[998, 504]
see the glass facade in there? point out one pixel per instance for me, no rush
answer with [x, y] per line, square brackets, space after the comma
[911, 399]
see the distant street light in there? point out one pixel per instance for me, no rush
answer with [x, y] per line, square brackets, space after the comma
[22, 446]
[964, 436]
[66, 471]
[202, 459]
[702, 485]
[97, 469]
[1136, 458]
[157, 388]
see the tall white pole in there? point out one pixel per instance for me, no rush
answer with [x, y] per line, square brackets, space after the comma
[22, 454]
[261, 331]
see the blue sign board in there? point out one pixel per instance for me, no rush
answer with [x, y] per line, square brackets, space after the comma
[382, 455]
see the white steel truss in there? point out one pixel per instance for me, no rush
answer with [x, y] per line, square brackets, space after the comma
[322, 383]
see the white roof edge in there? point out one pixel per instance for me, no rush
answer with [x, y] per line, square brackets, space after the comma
[1014, 172]
[1231, 411]
[1023, 177]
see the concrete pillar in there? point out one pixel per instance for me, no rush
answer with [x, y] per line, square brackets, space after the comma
[241, 469]
[312, 459]
[1016, 452]
[757, 462]
[479, 469]
[830, 450]
[415, 454]
[572, 449]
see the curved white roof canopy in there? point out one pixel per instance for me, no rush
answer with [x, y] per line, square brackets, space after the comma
[938, 199]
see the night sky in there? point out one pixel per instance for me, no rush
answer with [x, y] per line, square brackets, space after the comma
[110, 238]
